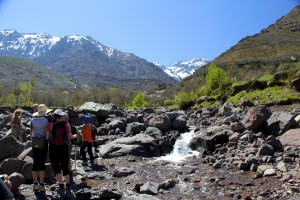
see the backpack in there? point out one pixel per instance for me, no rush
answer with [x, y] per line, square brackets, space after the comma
[73, 132]
[59, 134]
[94, 132]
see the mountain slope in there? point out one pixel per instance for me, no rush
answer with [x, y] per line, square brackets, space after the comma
[85, 60]
[274, 49]
[183, 69]
[15, 70]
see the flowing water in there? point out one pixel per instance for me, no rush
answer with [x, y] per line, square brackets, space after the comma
[181, 149]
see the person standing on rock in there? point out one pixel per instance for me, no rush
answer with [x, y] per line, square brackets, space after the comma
[58, 149]
[39, 137]
[16, 125]
[87, 139]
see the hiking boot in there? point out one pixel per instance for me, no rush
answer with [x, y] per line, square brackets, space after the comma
[42, 187]
[35, 186]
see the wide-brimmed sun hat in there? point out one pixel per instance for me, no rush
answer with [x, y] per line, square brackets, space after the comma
[42, 110]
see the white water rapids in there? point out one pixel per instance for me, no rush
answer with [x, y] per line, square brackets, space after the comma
[181, 148]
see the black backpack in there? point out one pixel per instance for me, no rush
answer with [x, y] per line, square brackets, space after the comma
[94, 132]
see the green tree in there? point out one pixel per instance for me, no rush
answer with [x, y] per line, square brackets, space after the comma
[216, 80]
[26, 93]
[139, 101]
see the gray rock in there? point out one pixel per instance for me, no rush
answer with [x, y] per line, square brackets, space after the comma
[122, 171]
[149, 188]
[16, 180]
[10, 148]
[11, 165]
[138, 145]
[161, 122]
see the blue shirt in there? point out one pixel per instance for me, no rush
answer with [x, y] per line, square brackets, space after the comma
[38, 126]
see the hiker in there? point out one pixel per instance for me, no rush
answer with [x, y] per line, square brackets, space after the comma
[34, 108]
[58, 149]
[16, 125]
[87, 139]
[39, 137]
[5, 193]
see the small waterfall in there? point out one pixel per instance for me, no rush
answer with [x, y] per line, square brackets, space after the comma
[181, 148]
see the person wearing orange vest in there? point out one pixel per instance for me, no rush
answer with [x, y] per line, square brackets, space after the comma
[87, 139]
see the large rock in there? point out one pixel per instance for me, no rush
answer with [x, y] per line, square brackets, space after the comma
[280, 122]
[10, 148]
[291, 138]
[16, 180]
[296, 83]
[204, 140]
[179, 123]
[135, 128]
[100, 110]
[11, 165]
[138, 145]
[161, 122]
[256, 117]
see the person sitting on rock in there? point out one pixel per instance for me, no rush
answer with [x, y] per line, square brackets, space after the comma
[87, 139]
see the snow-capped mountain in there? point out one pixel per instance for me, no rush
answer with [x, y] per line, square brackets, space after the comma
[85, 60]
[183, 69]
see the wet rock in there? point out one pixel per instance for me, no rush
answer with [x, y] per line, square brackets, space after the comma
[122, 171]
[149, 188]
[106, 193]
[167, 184]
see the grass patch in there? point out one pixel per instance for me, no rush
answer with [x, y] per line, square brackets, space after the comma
[271, 95]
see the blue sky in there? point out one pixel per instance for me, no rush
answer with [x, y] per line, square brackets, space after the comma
[165, 31]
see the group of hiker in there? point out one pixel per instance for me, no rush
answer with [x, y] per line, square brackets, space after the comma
[54, 134]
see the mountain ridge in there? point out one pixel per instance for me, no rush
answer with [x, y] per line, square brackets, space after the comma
[85, 60]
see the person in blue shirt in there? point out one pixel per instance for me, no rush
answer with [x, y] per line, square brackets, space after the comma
[39, 137]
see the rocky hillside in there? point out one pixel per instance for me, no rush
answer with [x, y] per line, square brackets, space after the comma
[276, 48]
[85, 60]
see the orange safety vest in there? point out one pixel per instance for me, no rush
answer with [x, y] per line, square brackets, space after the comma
[87, 133]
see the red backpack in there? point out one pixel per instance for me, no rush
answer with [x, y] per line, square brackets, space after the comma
[59, 134]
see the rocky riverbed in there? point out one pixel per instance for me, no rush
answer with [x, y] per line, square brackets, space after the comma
[242, 152]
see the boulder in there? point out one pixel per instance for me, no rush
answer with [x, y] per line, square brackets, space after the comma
[280, 122]
[10, 148]
[256, 117]
[296, 84]
[291, 138]
[16, 180]
[161, 122]
[138, 145]
[135, 128]
[100, 110]
[11, 165]
[149, 188]
[179, 123]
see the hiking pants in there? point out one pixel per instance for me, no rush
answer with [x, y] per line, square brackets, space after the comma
[59, 158]
[89, 146]
[39, 158]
